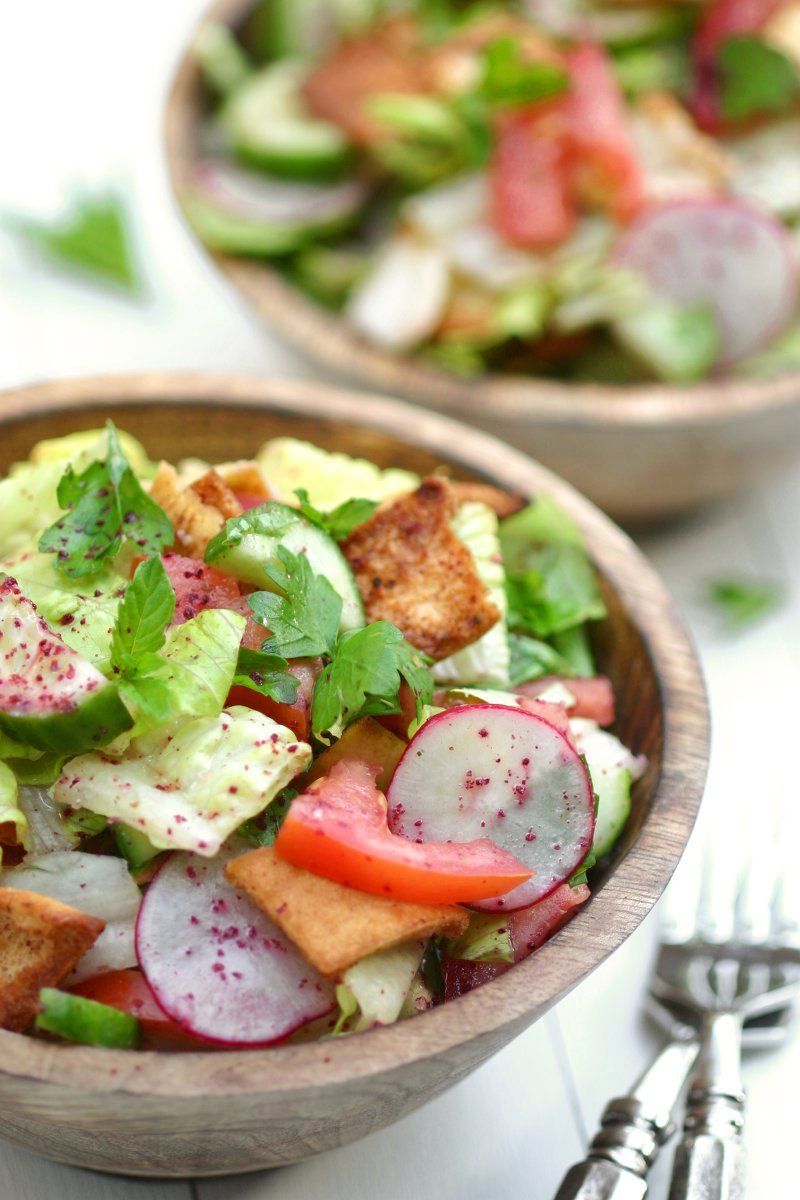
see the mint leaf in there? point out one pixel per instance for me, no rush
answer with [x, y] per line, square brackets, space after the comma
[146, 609]
[364, 676]
[743, 601]
[340, 522]
[304, 620]
[755, 79]
[92, 238]
[509, 79]
[267, 674]
[105, 504]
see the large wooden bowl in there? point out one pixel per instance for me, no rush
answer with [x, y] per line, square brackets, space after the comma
[204, 1114]
[640, 452]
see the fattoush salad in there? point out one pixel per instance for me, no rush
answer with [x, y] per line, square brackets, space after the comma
[587, 190]
[290, 747]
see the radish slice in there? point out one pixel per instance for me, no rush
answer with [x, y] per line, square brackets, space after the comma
[525, 787]
[725, 253]
[216, 964]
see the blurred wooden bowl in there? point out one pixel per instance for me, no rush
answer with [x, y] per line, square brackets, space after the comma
[642, 453]
[233, 1111]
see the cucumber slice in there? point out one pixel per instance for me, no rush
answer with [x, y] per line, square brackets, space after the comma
[245, 213]
[87, 1021]
[308, 28]
[50, 696]
[613, 789]
[250, 541]
[270, 127]
[135, 847]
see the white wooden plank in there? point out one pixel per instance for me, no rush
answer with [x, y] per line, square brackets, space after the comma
[508, 1124]
[27, 1177]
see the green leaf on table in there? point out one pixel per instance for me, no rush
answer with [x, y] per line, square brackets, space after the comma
[339, 522]
[92, 238]
[104, 505]
[303, 621]
[755, 78]
[742, 601]
[364, 677]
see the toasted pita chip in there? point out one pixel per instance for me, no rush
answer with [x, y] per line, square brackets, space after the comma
[246, 477]
[412, 570]
[194, 521]
[214, 491]
[335, 926]
[40, 942]
[367, 740]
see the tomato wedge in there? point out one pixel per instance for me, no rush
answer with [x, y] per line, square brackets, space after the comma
[296, 716]
[531, 180]
[607, 173]
[338, 829]
[128, 991]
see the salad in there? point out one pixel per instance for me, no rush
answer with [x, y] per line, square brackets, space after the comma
[289, 747]
[580, 189]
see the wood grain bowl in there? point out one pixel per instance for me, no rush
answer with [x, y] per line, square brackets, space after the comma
[205, 1114]
[642, 453]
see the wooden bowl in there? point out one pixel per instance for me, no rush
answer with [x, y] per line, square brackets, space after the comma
[642, 452]
[204, 1114]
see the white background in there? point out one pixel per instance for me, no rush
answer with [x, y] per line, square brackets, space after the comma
[82, 85]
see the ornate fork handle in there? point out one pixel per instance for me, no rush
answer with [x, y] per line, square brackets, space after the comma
[632, 1130]
[710, 1159]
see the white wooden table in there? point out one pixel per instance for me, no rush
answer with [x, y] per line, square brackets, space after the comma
[81, 89]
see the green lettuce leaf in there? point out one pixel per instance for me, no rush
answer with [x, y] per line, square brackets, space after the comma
[9, 811]
[755, 79]
[373, 990]
[190, 788]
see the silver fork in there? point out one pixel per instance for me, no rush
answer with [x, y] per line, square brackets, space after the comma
[725, 974]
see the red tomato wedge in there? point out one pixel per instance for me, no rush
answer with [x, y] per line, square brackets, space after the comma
[606, 172]
[296, 716]
[128, 991]
[594, 697]
[338, 829]
[531, 180]
[198, 587]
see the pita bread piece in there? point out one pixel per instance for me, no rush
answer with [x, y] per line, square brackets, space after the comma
[335, 926]
[40, 942]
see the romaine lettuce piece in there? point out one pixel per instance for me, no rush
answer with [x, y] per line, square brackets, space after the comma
[489, 658]
[486, 939]
[329, 478]
[679, 343]
[373, 990]
[190, 787]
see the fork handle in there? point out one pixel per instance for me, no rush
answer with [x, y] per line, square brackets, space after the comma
[632, 1130]
[710, 1161]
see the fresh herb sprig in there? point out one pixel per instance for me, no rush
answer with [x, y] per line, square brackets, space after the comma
[339, 522]
[104, 505]
[144, 615]
[743, 601]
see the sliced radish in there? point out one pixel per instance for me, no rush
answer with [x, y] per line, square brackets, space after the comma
[217, 966]
[502, 773]
[723, 252]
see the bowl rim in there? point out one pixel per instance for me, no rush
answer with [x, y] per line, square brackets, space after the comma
[326, 338]
[614, 911]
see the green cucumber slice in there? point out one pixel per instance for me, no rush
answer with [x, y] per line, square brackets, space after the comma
[243, 212]
[248, 542]
[135, 847]
[87, 1021]
[613, 790]
[50, 696]
[270, 127]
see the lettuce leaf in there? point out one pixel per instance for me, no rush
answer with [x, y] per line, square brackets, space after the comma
[9, 811]
[188, 788]
[372, 991]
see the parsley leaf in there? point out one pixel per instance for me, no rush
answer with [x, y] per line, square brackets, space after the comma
[743, 601]
[267, 674]
[340, 522]
[509, 79]
[303, 621]
[364, 677]
[146, 609]
[92, 238]
[105, 504]
[755, 78]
